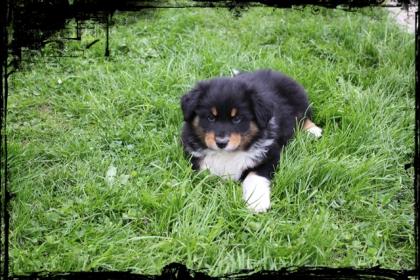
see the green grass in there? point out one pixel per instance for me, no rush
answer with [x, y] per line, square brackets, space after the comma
[343, 200]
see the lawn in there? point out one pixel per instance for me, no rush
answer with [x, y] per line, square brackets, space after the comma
[100, 180]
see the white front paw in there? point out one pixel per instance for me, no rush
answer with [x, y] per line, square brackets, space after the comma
[256, 193]
[315, 131]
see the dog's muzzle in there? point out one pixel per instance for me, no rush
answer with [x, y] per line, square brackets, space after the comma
[222, 142]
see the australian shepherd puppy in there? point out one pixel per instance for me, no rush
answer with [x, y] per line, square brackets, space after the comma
[236, 127]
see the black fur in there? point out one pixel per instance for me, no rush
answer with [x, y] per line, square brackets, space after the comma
[272, 100]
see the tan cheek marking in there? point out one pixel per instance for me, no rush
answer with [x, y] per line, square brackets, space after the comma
[214, 111]
[233, 112]
[209, 138]
[198, 130]
[235, 140]
[250, 134]
[253, 128]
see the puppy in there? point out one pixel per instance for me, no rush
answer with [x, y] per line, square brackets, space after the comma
[236, 127]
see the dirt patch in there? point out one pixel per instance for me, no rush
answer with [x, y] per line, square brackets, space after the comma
[405, 18]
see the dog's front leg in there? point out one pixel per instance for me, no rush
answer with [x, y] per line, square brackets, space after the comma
[195, 162]
[256, 185]
[256, 192]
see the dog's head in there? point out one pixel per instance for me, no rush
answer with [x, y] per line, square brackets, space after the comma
[226, 113]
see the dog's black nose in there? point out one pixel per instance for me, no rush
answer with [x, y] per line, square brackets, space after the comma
[221, 145]
[222, 142]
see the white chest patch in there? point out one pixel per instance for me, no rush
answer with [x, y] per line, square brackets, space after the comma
[227, 164]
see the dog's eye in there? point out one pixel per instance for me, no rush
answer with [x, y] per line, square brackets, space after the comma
[236, 119]
[211, 118]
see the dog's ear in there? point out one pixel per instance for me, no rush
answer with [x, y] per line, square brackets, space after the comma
[190, 100]
[263, 109]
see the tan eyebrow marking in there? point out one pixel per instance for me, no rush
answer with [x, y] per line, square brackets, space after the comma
[233, 112]
[214, 111]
